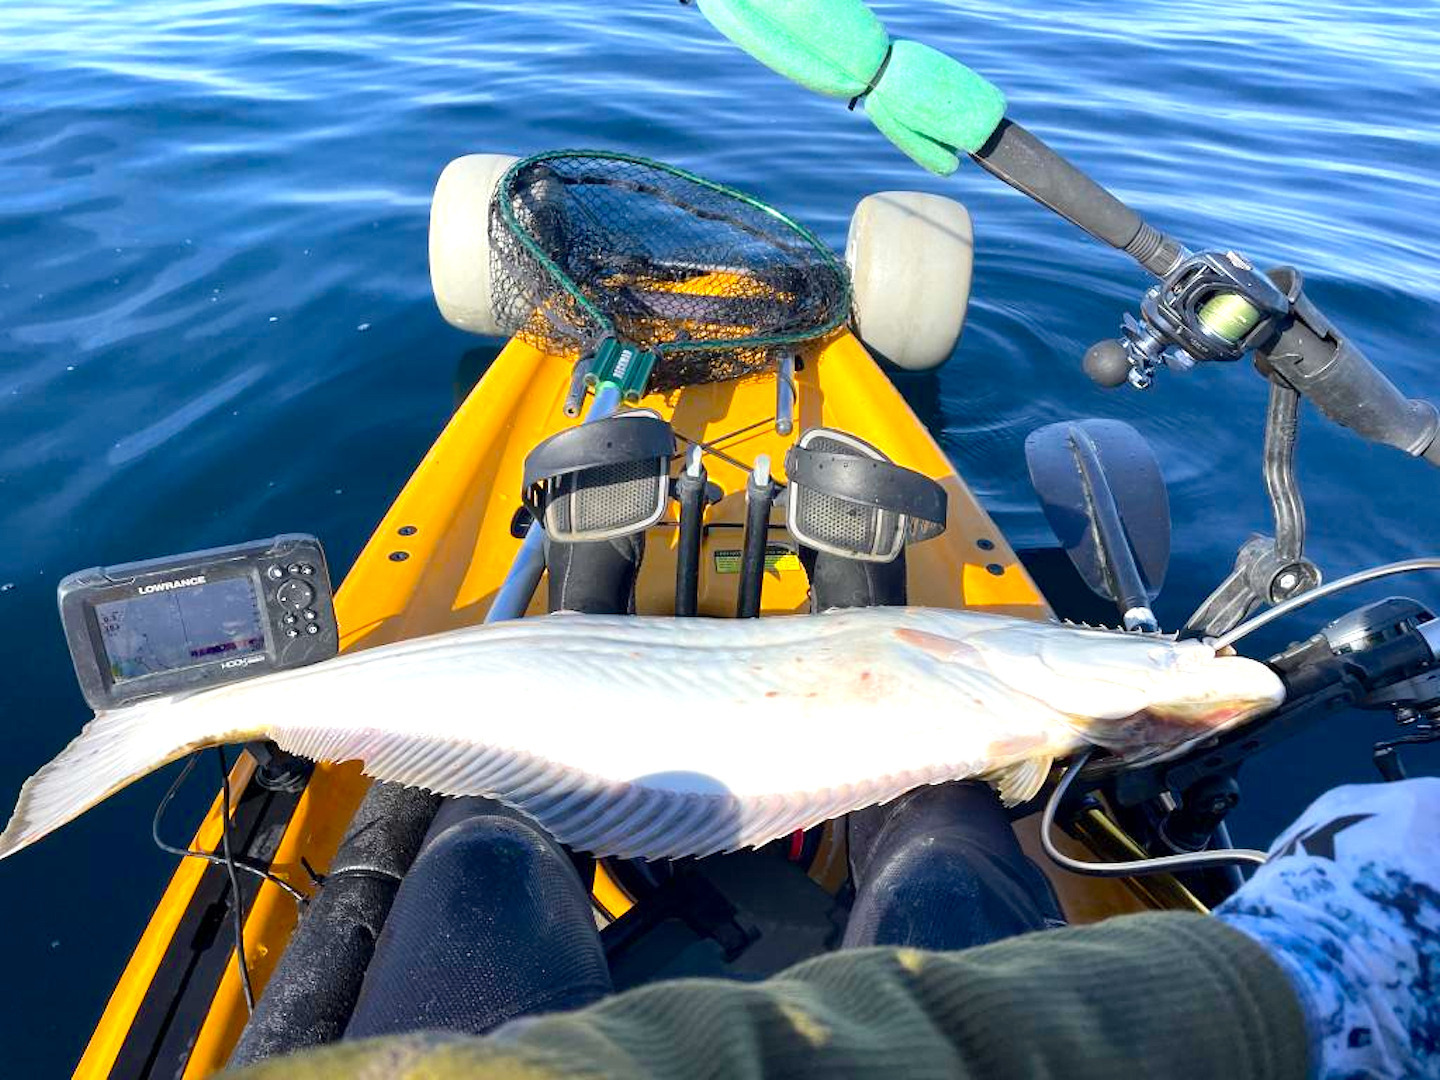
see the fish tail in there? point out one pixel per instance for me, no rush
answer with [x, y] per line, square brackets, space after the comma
[112, 751]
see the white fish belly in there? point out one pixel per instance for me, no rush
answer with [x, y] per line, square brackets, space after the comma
[659, 738]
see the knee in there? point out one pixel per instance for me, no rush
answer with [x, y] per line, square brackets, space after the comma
[934, 867]
[490, 923]
[492, 862]
[939, 890]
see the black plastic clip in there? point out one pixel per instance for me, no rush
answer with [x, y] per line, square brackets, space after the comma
[1387, 753]
[277, 770]
[874, 79]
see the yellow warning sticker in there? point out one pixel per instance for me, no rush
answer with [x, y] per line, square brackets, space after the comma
[778, 559]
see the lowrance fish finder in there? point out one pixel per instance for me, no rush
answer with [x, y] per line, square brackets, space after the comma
[189, 622]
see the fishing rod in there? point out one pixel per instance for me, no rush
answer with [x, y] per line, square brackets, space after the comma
[1207, 307]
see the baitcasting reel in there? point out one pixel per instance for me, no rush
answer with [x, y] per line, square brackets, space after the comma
[1211, 306]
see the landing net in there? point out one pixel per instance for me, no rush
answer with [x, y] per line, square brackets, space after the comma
[586, 246]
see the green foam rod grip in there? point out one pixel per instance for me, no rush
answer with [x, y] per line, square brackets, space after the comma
[833, 47]
[932, 106]
[926, 152]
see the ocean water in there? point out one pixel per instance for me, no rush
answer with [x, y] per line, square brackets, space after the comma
[215, 321]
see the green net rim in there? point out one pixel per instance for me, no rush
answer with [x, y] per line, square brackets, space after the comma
[505, 195]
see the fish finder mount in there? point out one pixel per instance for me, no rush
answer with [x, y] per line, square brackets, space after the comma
[189, 622]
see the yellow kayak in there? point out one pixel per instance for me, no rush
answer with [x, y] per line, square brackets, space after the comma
[437, 560]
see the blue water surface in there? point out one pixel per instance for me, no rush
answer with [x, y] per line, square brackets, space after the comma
[215, 320]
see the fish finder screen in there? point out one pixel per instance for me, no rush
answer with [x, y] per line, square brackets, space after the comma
[180, 628]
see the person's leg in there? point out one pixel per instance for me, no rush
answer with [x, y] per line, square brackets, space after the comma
[838, 582]
[940, 868]
[491, 923]
[596, 577]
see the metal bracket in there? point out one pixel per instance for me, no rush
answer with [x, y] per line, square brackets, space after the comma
[1267, 569]
[1386, 754]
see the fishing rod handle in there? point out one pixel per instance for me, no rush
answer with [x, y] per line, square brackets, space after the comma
[1019, 158]
[1325, 366]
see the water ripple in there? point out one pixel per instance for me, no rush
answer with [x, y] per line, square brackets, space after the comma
[203, 201]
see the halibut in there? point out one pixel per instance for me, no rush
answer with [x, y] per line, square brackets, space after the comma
[647, 737]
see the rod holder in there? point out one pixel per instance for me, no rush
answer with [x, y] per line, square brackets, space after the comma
[760, 494]
[690, 490]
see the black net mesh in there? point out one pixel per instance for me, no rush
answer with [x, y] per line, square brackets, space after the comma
[586, 246]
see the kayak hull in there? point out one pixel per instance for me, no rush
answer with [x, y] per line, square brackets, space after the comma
[436, 561]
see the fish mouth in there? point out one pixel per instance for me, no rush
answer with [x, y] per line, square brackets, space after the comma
[1194, 713]
[1161, 751]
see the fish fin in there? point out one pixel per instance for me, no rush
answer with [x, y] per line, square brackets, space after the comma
[937, 645]
[115, 749]
[660, 816]
[1022, 782]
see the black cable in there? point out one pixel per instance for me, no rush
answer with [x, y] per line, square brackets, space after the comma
[714, 451]
[240, 862]
[236, 901]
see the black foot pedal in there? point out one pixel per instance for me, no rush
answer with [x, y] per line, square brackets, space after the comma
[601, 480]
[846, 499]
[595, 489]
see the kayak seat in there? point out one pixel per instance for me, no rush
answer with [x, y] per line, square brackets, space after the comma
[491, 923]
[596, 488]
[854, 512]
